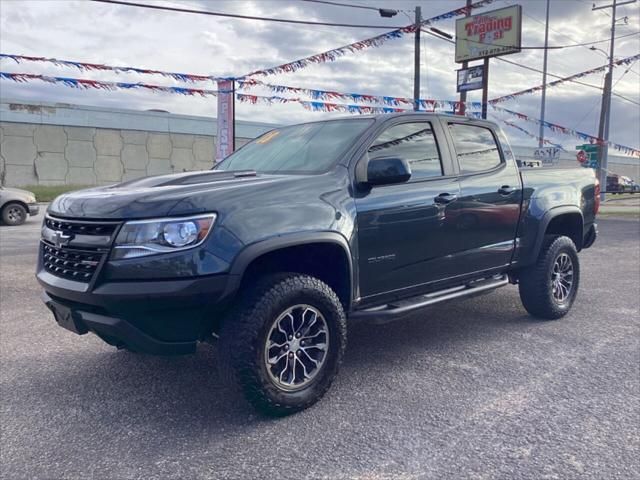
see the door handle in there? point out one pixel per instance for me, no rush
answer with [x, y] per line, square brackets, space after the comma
[506, 190]
[445, 198]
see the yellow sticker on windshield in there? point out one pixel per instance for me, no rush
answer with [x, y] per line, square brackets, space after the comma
[267, 137]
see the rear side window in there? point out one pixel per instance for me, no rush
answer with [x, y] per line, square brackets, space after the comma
[414, 142]
[475, 146]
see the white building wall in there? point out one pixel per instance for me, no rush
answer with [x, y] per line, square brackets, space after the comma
[56, 144]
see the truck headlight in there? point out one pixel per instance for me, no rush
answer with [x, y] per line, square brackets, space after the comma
[139, 238]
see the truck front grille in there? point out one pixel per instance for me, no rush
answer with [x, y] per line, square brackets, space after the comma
[80, 228]
[74, 249]
[70, 263]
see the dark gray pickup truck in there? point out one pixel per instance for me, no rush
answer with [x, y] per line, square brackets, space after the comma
[306, 228]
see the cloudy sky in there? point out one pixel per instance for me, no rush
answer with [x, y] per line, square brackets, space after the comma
[120, 35]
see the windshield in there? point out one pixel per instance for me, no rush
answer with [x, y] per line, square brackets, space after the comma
[307, 148]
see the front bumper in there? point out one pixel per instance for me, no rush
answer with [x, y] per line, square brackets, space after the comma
[34, 209]
[163, 317]
[114, 331]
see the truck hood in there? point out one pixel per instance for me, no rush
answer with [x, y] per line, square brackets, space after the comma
[166, 195]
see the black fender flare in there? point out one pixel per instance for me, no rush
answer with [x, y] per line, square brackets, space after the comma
[249, 253]
[544, 223]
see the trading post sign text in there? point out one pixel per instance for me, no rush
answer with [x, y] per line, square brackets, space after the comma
[489, 34]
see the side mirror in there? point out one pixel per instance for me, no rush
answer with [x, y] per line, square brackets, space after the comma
[387, 170]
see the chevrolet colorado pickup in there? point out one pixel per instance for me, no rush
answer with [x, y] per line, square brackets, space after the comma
[269, 253]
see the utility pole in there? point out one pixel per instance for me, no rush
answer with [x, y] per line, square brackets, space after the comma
[416, 59]
[605, 110]
[602, 169]
[544, 79]
[463, 94]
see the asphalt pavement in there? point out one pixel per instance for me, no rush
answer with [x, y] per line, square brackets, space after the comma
[473, 389]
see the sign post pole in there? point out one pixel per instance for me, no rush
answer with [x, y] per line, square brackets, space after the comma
[225, 139]
[463, 93]
[485, 88]
[488, 34]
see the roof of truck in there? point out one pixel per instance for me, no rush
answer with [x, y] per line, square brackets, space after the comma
[408, 113]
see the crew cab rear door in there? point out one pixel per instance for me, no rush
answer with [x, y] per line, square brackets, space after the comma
[487, 212]
[402, 239]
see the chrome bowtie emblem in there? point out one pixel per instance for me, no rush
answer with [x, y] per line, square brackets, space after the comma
[60, 239]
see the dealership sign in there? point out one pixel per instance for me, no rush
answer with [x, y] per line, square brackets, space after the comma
[548, 155]
[470, 78]
[489, 34]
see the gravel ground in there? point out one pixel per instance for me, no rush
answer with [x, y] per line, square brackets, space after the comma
[473, 389]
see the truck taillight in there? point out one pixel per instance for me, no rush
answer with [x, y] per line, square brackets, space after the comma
[597, 197]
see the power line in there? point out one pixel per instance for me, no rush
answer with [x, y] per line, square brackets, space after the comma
[538, 71]
[543, 23]
[338, 4]
[557, 76]
[204, 12]
[584, 44]
[243, 17]
[592, 108]
[309, 22]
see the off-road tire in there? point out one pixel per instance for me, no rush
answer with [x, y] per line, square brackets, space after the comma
[243, 335]
[536, 284]
[14, 214]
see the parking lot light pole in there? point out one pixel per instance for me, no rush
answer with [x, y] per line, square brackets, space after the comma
[384, 12]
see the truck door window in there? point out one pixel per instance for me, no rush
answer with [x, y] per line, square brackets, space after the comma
[416, 143]
[506, 146]
[475, 146]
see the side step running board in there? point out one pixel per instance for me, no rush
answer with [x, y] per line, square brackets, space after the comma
[399, 309]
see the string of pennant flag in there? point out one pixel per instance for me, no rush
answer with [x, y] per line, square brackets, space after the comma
[327, 56]
[394, 102]
[318, 106]
[86, 84]
[617, 63]
[316, 94]
[378, 40]
[315, 106]
[426, 104]
[554, 127]
[532, 135]
[99, 67]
